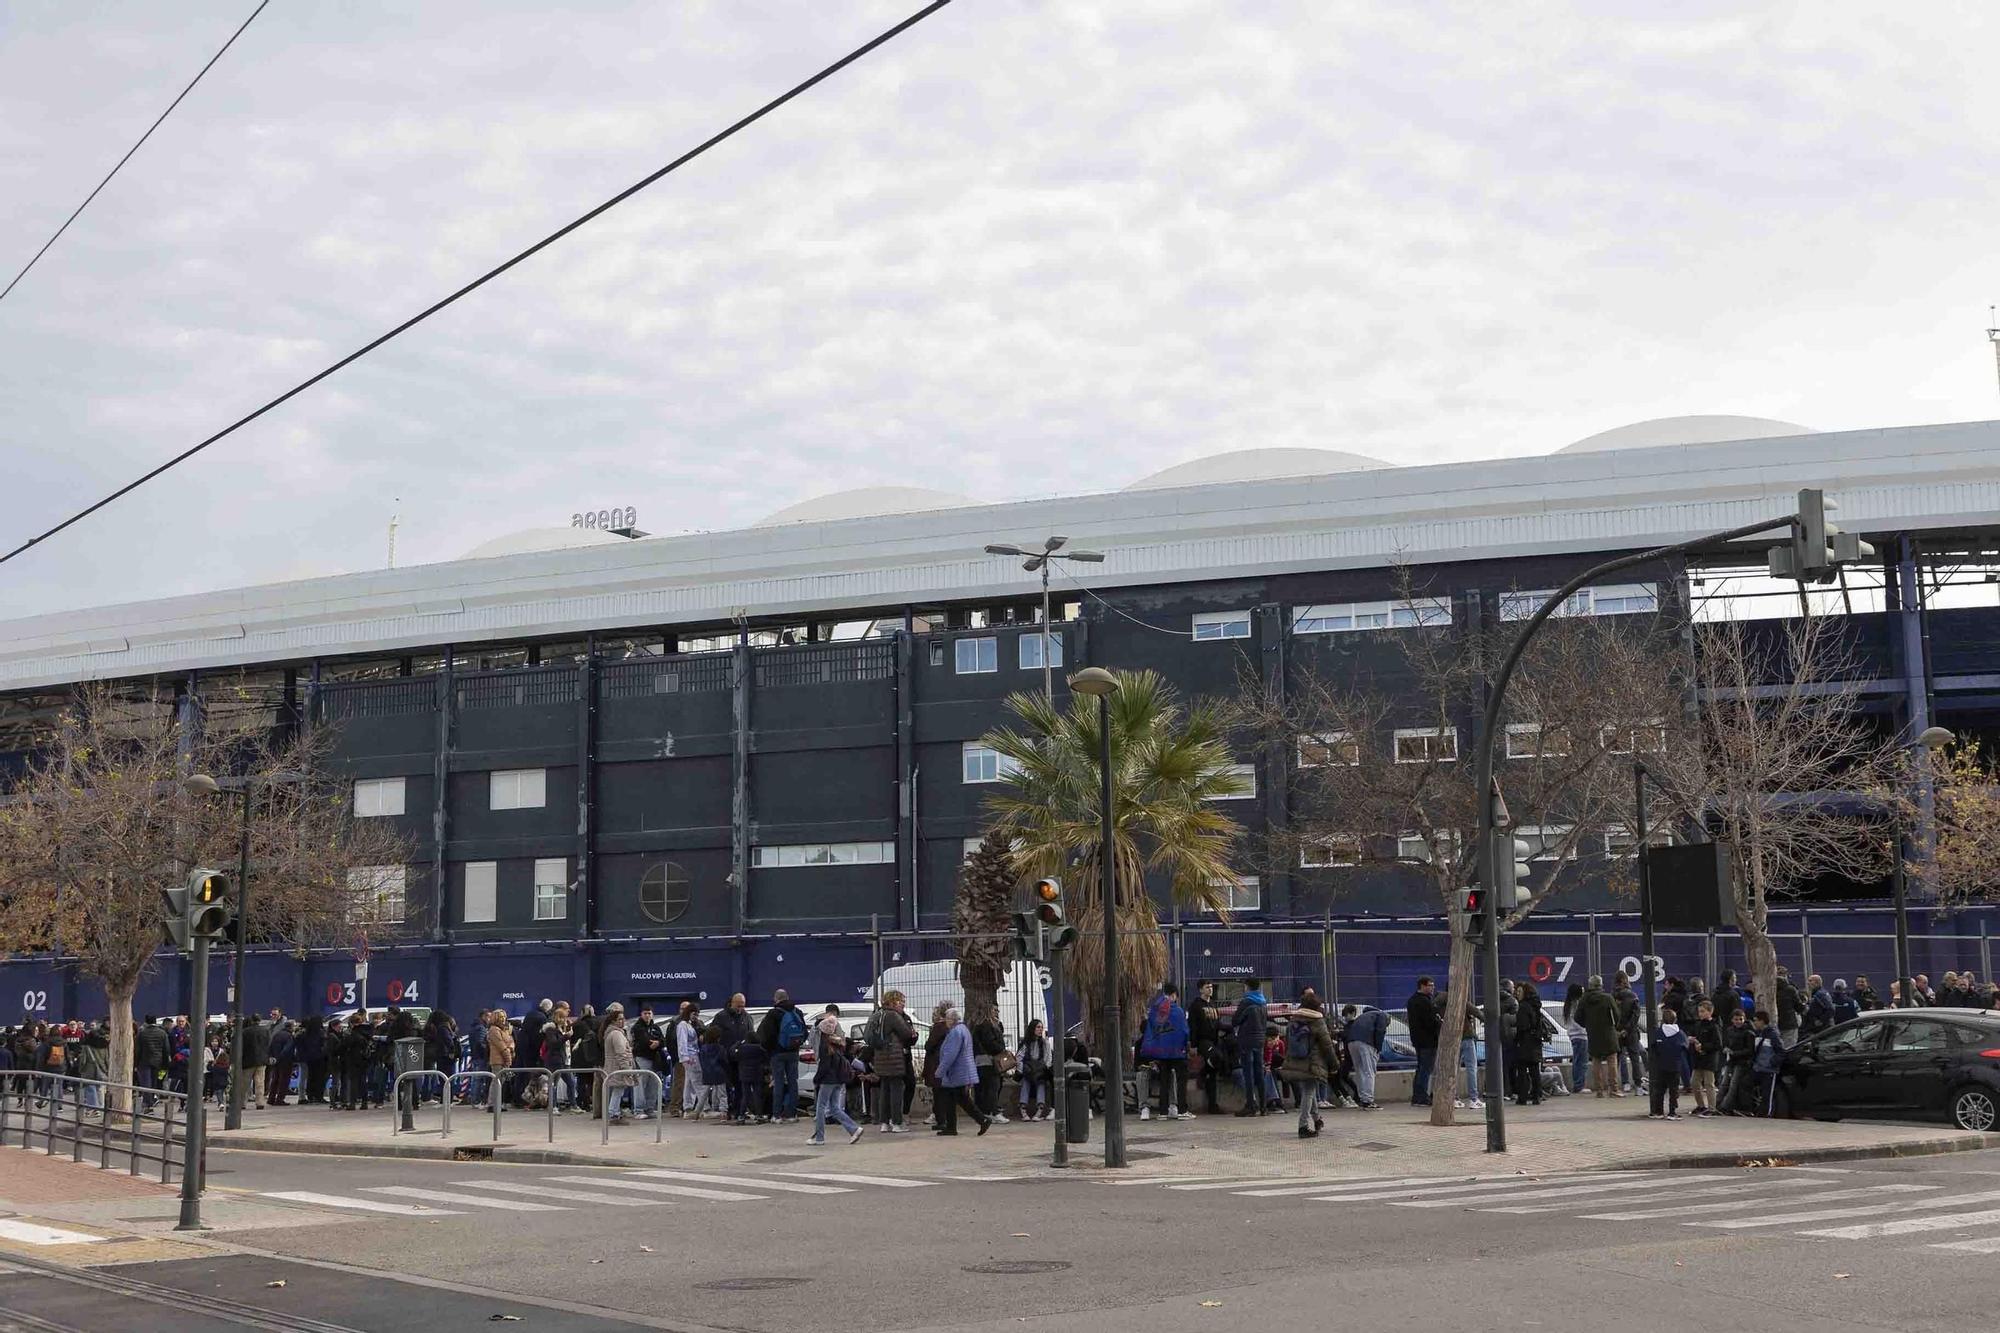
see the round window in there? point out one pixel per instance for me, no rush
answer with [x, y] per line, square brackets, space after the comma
[664, 893]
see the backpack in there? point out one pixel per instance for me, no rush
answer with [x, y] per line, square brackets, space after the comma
[1299, 1042]
[791, 1030]
[871, 1034]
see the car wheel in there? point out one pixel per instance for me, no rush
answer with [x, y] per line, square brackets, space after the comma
[1975, 1107]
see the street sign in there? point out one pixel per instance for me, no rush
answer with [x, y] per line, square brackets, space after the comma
[1043, 979]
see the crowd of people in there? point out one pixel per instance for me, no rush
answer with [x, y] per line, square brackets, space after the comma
[1720, 1048]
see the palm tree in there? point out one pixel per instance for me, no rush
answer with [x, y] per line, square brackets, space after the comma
[1169, 764]
[982, 926]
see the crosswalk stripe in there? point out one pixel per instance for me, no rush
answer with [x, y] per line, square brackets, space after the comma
[1638, 1191]
[1830, 1214]
[1697, 1209]
[1984, 1245]
[1441, 1185]
[1236, 1184]
[780, 1186]
[1321, 1186]
[362, 1205]
[658, 1187]
[30, 1233]
[1558, 1192]
[452, 1196]
[1908, 1226]
[1157, 1180]
[573, 1196]
[890, 1182]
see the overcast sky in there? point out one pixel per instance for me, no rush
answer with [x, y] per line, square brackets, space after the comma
[1027, 248]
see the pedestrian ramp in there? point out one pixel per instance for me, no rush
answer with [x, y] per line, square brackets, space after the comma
[1826, 1204]
[650, 1188]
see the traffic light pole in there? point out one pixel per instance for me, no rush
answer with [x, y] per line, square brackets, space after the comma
[194, 1128]
[1645, 914]
[1489, 733]
[1059, 1065]
[233, 1117]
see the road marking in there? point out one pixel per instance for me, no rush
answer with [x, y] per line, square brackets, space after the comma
[985, 1180]
[1908, 1226]
[1466, 1185]
[1557, 1192]
[574, 1196]
[658, 1187]
[29, 1233]
[364, 1205]
[782, 1186]
[449, 1196]
[891, 1182]
[1697, 1209]
[1321, 1186]
[1830, 1214]
[1986, 1245]
[1162, 1181]
[1653, 1191]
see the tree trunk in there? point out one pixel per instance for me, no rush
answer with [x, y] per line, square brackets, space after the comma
[1459, 984]
[981, 984]
[118, 1067]
[1753, 919]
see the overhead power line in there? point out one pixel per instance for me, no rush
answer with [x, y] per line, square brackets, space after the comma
[133, 149]
[488, 276]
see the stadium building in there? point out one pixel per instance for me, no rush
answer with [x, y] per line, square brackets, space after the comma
[678, 766]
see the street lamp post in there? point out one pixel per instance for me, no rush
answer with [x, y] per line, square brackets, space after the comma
[1038, 562]
[1928, 742]
[1101, 683]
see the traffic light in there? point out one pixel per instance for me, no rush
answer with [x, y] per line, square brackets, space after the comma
[1473, 901]
[1818, 548]
[1057, 932]
[207, 903]
[175, 900]
[1029, 943]
[1510, 869]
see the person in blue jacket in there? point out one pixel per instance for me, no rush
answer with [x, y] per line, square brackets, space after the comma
[1163, 1039]
[1669, 1054]
[956, 1075]
[1247, 1027]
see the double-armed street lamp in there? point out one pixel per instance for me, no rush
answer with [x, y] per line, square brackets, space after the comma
[1038, 562]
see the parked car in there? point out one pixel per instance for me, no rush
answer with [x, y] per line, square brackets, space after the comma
[1921, 1063]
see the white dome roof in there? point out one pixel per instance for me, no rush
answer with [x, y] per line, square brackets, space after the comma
[529, 540]
[865, 502]
[1685, 430]
[1256, 465]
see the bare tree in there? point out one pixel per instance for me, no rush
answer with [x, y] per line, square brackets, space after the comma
[981, 924]
[1784, 768]
[1963, 864]
[100, 823]
[1384, 760]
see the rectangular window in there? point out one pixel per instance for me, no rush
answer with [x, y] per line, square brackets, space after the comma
[1612, 599]
[551, 889]
[1618, 841]
[1245, 893]
[1245, 778]
[1212, 625]
[1416, 847]
[982, 763]
[1531, 740]
[376, 797]
[1342, 850]
[1332, 747]
[517, 789]
[482, 892]
[1427, 745]
[1546, 841]
[1645, 738]
[1031, 650]
[816, 854]
[976, 655]
[1351, 617]
[378, 894]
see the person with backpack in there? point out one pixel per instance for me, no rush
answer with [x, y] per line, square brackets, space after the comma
[1163, 1039]
[890, 1036]
[833, 1071]
[1034, 1058]
[782, 1034]
[1818, 1016]
[1247, 1026]
[1309, 1055]
[1767, 1062]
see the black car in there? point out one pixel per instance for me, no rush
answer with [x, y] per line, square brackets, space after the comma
[1894, 1062]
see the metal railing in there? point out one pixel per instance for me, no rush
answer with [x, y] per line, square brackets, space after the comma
[450, 1083]
[605, 1082]
[94, 1122]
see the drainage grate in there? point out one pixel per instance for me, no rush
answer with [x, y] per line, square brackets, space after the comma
[1009, 1267]
[780, 1159]
[753, 1283]
[1373, 1147]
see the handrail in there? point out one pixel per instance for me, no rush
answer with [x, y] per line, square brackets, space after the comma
[636, 1075]
[33, 1088]
[396, 1101]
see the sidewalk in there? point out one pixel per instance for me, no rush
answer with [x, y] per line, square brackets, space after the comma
[1566, 1135]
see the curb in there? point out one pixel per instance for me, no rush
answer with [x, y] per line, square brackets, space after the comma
[469, 1151]
[1801, 1156]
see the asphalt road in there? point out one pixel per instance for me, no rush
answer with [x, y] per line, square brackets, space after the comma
[1891, 1245]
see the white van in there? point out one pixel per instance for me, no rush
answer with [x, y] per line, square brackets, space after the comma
[924, 985]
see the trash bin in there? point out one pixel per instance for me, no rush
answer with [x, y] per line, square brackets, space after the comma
[1076, 1103]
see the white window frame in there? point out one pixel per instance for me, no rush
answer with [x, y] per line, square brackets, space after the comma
[379, 798]
[482, 888]
[1542, 835]
[551, 888]
[984, 655]
[1246, 785]
[976, 752]
[1217, 626]
[1448, 735]
[1619, 841]
[1610, 599]
[1623, 740]
[384, 891]
[1422, 851]
[1333, 853]
[1531, 747]
[517, 789]
[1239, 886]
[1032, 660]
[815, 855]
[1355, 617]
[1332, 744]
